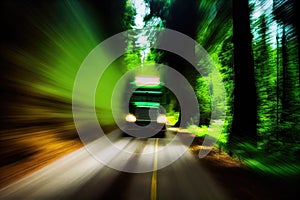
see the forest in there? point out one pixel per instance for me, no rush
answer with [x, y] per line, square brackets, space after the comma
[253, 44]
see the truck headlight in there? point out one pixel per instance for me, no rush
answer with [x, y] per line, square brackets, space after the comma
[162, 119]
[130, 118]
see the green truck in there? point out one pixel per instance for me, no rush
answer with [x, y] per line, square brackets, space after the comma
[147, 115]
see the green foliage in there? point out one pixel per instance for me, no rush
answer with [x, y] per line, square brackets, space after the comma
[204, 100]
[215, 23]
[130, 12]
[213, 131]
[277, 82]
[217, 41]
[172, 117]
[154, 56]
[265, 72]
[281, 162]
[132, 59]
[199, 131]
[224, 62]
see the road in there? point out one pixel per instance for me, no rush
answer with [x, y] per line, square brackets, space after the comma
[79, 175]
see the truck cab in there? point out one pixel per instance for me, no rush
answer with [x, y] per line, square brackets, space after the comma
[146, 105]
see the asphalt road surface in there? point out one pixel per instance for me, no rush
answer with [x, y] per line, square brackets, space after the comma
[79, 175]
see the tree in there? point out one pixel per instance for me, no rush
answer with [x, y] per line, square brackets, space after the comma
[285, 12]
[285, 16]
[264, 63]
[245, 105]
[181, 16]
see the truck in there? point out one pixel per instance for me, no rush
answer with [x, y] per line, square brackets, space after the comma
[146, 107]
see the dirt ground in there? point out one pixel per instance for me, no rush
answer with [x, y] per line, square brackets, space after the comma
[24, 152]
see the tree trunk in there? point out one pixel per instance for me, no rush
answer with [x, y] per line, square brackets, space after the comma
[245, 98]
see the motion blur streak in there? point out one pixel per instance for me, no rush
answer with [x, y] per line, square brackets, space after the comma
[80, 176]
[43, 47]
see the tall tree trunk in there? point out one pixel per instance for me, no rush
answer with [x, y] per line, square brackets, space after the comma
[245, 99]
[277, 85]
[285, 84]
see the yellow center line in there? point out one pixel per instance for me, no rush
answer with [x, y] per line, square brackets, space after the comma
[154, 174]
